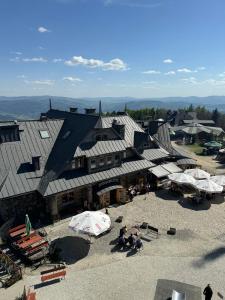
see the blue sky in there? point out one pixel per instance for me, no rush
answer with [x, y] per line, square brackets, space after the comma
[95, 48]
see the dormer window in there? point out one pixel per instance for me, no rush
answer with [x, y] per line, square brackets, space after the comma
[109, 160]
[93, 164]
[44, 134]
[98, 137]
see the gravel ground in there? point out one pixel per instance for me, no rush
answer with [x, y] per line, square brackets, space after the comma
[195, 255]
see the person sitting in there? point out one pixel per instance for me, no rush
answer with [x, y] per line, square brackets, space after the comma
[123, 231]
[138, 244]
[131, 240]
[122, 241]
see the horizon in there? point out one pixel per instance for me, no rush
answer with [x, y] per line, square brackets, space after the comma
[115, 48]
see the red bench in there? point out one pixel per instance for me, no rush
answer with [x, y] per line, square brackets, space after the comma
[58, 272]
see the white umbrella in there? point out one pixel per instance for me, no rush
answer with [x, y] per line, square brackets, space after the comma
[208, 186]
[181, 178]
[197, 173]
[219, 179]
[90, 222]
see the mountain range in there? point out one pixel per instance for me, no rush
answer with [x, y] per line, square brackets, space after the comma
[30, 107]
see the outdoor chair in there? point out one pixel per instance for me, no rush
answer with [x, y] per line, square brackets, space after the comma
[171, 231]
[119, 219]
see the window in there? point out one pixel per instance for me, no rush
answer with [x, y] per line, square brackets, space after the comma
[73, 164]
[105, 137]
[117, 158]
[93, 164]
[109, 160]
[44, 134]
[101, 162]
[98, 138]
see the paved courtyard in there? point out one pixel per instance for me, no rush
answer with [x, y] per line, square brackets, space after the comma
[195, 255]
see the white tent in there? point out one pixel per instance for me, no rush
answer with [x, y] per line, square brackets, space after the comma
[197, 173]
[181, 178]
[219, 179]
[90, 222]
[208, 186]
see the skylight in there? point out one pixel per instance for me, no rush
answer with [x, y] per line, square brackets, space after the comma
[44, 134]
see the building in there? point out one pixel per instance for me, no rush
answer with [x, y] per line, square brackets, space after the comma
[66, 162]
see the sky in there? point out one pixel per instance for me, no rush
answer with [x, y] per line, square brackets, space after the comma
[112, 48]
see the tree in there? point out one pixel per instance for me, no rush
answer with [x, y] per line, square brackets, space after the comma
[215, 116]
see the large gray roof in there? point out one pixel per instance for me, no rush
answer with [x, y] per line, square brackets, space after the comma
[154, 154]
[130, 126]
[74, 179]
[101, 147]
[16, 170]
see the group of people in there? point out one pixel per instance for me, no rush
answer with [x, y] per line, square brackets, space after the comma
[133, 241]
[135, 190]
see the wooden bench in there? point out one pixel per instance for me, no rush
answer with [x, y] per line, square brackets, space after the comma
[153, 230]
[58, 272]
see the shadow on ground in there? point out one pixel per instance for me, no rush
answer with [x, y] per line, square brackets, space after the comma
[219, 199]
[167, 195]
[209, 257]
[185, 203]
[72, 248]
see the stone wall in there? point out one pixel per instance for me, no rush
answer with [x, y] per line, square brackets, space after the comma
[32, 204]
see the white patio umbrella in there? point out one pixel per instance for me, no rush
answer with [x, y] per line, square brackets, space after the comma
[181, 178]
[208, 186]
[197, 173]
[90, 223]
[219, 179]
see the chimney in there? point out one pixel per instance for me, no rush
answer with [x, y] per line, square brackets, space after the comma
[36, 162]
[73, 109]
[119, 128]
[43, 117]
[90, 111]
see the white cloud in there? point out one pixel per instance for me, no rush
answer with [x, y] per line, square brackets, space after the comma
[40, 82]
[186, 70]
[21, 76]
[190, 80]
[222, 74]
[72, 79]
[201, 68]
[42, 29]
[170, 73]
[215, 82]
[149, 82]
[41, 48]
[15, 59]
[132, 3]
[168, 61]
[16, 52]
[115, 64]
[56, 60]
[35, 59]
[151, 72]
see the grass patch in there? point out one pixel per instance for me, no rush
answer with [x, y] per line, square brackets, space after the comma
[196, 148]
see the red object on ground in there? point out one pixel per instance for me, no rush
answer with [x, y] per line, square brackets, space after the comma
[31, 241]
[31, 296]
[17, 232]
[53, 276]
[16, 228]
[26, 238]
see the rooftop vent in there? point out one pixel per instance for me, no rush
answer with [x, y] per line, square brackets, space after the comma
[90, 111]
[73, 109]
[36, 162]
[43, 117]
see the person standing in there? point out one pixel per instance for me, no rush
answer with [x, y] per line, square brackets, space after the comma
[208, 292]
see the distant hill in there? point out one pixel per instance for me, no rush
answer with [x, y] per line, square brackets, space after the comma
[30, 107]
